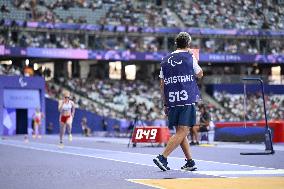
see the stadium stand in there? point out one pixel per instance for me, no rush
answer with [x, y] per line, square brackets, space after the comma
[218, 14]
[230, 14]
[235, 103]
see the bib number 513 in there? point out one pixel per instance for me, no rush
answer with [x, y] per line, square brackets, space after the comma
[178, 96]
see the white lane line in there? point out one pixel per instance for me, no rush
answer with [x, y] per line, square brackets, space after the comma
[131, 153]
[147, 155]
[104, 158]
[72, 153]
[99, 157]
[209, 173]
[240, 146]
[251, 172]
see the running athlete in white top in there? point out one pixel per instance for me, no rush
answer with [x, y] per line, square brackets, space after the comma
[66, 108]
[37, 118]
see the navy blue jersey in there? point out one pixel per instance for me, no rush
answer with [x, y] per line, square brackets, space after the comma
[178, 71]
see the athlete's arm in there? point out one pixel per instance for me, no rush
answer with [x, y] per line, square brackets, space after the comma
[60, 104]
[162, 86]
[197, 69]
[163, 95]
[200, 74]
[73, 109]
[162, 91]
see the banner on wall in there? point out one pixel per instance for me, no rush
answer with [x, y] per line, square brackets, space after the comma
[125, 55]
[161, 30]
[21, 98]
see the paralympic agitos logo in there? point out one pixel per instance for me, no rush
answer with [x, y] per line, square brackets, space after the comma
[22, 82]
[173, 62]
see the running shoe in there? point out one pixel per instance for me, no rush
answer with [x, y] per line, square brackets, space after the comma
[61, 145]
[70, 137]
[161, 162]
[193, 143]
[26, 139]
[189, 166]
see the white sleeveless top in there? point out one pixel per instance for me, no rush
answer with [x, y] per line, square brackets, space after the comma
[37, 115]
[67, 107]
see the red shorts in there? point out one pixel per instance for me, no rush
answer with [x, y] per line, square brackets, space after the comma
[64, 119]
[37, 121]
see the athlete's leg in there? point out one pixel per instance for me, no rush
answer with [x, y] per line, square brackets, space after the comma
[185, 148]
[36, 130]
[62, 131]
[190, 164]
[176, 140]
[190, 135]
[195, 130]
[39, 133]
[69, 129]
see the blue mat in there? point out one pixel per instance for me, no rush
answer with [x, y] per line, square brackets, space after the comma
[239, 134]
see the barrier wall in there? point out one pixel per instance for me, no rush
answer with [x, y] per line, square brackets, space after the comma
[276, 126]
[122, 28]
[126, 55]
[94, 120]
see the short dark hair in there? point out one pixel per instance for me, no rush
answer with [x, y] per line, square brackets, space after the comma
[182, 40]
[202, 106]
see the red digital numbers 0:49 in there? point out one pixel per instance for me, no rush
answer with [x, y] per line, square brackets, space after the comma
[148, 133]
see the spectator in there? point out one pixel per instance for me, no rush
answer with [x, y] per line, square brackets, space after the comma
[4, 9]
[104, 124]
[116, 130]
[49, 128]
[203, 125]
[86, 130]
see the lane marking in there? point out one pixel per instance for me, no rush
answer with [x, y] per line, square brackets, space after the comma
[209, 173]
[99, 157]
[251, 172]
[206, 145]
[152, 155]
[72, 153]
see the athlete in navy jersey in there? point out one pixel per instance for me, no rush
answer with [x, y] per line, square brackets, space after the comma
[178, 84]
